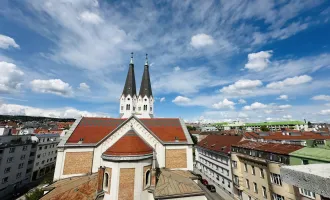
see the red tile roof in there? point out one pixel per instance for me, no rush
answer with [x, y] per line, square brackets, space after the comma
[129, 144]
[217, 142]
[281, 136]
[92, 130]
[269, 147]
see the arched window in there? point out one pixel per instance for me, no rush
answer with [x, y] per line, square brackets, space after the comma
[128, 106]
[145, 107]
[106, 181]
[148, 178]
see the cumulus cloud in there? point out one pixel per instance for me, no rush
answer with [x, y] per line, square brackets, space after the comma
[224, 104]
[258, 61]
[284, 106]
[287, 117]
[15, 109]
[255, 106]
[241, 101]
[283, 97]
[6, 42]
[181, 100]
[84, 87]
[90, 17]
[52, 86]
[162, 99]
[241, 87]
[177, 68]
[325, 112]
[322, 97]
[297, 80]
[201, 40]
[11, 77]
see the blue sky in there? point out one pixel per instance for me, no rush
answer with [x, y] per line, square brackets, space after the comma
[211, 61]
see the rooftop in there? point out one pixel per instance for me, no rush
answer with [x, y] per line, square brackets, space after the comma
[313, 153]
[219, 143]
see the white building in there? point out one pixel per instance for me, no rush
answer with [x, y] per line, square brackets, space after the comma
[16, 162]
[45, 159]
[213, 160]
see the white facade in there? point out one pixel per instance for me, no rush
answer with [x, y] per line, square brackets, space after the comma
[140, 107]
[45, 155]
[216, 166]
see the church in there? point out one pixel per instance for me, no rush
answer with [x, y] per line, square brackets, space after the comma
[133, 157]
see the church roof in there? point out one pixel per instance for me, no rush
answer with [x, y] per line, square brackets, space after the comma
[129, 145]
[91, 130]
[145, 89]
[130, 86]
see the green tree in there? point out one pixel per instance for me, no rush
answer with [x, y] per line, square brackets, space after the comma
[35, 195]
[194, 139]
[309, 124]
[191, 128]
[264, 128]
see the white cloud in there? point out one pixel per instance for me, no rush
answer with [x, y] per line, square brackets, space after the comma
[241, 87]
[201, 40]
[325, 112]
[258, 61]
[177, 68]
[284, 106]
[90, 17]
[11, 77]
[297, 80]
[283, 97]
[52, 86]
[255, 106]
[224, 104]
[287, 117]
[241, 101]
[181, 100]
[6, 42]
[162, 99]
[14, 109]
[84, 87]
[322, 97]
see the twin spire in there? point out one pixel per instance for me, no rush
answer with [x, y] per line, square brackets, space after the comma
[130, 86]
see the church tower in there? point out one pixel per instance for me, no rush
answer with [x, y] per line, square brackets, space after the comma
[142, 106]
[145, 98]
[128, 99]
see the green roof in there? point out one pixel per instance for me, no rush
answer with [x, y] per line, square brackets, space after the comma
[220, 123]
[313, 153]
[275, 123]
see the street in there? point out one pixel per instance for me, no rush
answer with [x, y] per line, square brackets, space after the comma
[210, 195]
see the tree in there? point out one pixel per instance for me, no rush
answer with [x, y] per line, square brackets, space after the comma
[191, 128]
[264, 128]
[309, 124]
[35, 195]
[194, 139]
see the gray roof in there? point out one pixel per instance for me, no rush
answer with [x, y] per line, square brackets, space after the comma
[130, 87]
[145, 89]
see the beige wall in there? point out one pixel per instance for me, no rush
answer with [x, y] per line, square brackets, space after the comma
[176, 158]
[126, 184]
[78, 163]
[285, 190]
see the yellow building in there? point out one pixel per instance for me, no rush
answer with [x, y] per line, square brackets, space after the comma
[256, 170]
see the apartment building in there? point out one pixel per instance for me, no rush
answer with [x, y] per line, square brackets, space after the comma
[213, 160]
[45, 159]
[17, 154]
[256, 170]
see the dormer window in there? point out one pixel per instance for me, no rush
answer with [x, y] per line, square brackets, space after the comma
[145, 107]
[128, 106]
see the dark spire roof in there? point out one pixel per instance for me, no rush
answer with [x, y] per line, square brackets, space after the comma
[130, 87]
[145, 89]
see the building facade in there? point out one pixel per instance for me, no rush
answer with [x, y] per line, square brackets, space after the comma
[256, 170]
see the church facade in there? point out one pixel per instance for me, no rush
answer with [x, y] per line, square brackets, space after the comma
[135, 155]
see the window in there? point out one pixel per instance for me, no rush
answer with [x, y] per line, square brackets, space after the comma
[24, 148]
[12, 150]
[40, 148]
[305, 162]
[150, 108]
[51, 159]
[46, 147]
[47, 160]
[262, 175]
[7, 169]
[276, 179]
[247, 183]
[139, 108]
[264, 192]
[43, 162]
[22, 157]
[128, 106]
[37, 163]
[249, 197]
[236, 180]
[106, 181]
[245, 167]
[307, 193]
[38, 156]
[121, 107]
[10, 159]
[20, 165]
[145, 107]
[234, 164]
[277, 197]
[255, 187]
[147, 178]
[253, 170]
[18, 175]
[5, 180]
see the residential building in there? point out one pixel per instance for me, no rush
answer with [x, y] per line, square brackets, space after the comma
[213, 160]
[129, 153]
[277, 126]
[256, 170]
[46, 153]
[208, 128]
[16, 162]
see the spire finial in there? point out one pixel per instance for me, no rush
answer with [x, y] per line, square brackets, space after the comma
[146, 63]
[131, 58]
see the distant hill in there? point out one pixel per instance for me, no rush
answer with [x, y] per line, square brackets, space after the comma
[23, 118]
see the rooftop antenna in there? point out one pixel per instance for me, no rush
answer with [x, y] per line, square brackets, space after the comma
[131, 58]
